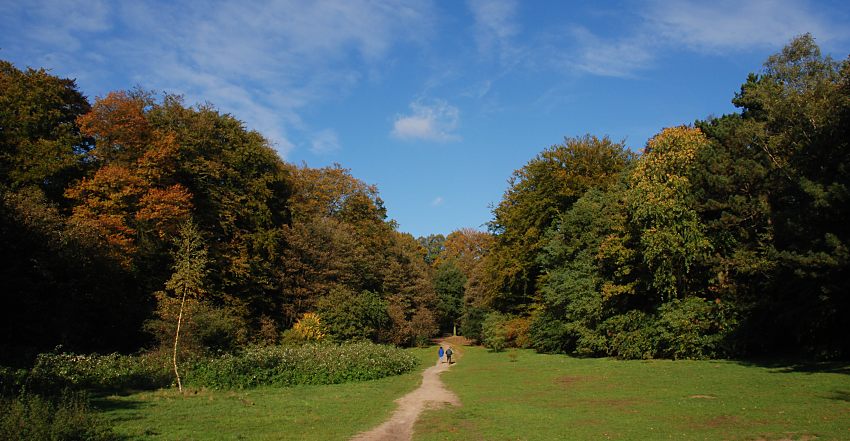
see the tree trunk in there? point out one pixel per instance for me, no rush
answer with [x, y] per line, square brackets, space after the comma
[176, 338]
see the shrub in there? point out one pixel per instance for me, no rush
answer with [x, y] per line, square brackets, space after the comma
[353, 316]
[65, 417]
[633, 335]
[517, 332]
[500, 331]
[549, 334]
[692, 328]
[307, 364]
[55, 371]
[493, 333]
[205, 329]
[308, 328]
[472, 322]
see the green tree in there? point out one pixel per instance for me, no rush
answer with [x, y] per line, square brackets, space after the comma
[539, 191]
[40, 143]
[795, 116]
[671, 235]
[434, 244]
[449, 282]
[190, 269]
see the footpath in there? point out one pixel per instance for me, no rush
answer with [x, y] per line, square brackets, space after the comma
[431, 394]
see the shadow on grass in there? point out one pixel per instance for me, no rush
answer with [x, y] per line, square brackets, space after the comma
[811, 367]
[105, 404]
[840, 395]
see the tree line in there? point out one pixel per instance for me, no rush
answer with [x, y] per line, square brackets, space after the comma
[113, 212]
[727, 237]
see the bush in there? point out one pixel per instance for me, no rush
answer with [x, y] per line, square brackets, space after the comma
[501, 330]
[309, 328]
[493, 333]
[550, 335]
[55, 371]
[307, 364]
[206, 329]
[692, 328]
[633, 335]
[347, 315]
[66, 417]
[472, 322]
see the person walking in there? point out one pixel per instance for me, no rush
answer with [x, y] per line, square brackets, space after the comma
[449, 355]
[440, 352]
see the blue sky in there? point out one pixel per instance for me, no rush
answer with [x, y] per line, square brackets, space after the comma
[437, 103]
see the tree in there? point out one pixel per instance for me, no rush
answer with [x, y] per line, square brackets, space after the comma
[40, 144]
[190, 268]
[449, 283]
[465, 248]
[434, 244]
[539, 191]
[795, 116]
[671, 236]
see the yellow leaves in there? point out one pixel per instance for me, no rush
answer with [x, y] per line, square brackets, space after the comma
[309, 327]
[670, 154]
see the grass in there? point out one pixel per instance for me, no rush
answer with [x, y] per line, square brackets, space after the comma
[521, 395]
[524, 395]
[266, 413]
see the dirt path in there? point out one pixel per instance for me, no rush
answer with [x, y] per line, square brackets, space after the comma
[430, 395]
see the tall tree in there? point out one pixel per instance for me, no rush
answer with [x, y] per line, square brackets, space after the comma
[538, 192]
[40, 143]
[449, 283]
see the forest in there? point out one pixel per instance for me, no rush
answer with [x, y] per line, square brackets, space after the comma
[724, 238]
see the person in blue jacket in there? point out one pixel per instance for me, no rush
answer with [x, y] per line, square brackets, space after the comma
[441, 354]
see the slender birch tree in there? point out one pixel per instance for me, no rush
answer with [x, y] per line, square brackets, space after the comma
[190, 267]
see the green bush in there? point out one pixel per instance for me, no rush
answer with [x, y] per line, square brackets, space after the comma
[550, 335]
[493, 331]
[692, 328]
[349, 315]
[55, 371]
[633, 335]
[65, 417]
[472, 321]
[307, 364]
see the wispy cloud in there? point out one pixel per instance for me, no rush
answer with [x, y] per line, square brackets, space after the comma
[610, 58]
[663, 26]
[437, 201]
[496, 28]
[735, 25]
[324, 142]
[263, 61]
[434, 120]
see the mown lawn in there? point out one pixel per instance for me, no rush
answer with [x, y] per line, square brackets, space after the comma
[333, 412]
[524, 395]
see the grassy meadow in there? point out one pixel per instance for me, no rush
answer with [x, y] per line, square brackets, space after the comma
[326, 412]
[523, 395]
